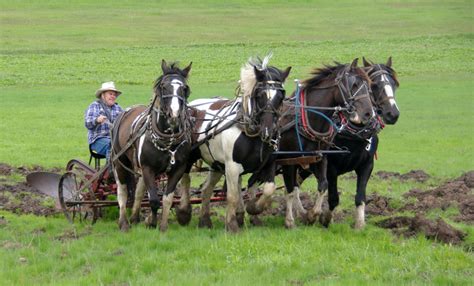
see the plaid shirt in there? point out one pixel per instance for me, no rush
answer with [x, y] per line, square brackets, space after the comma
[96, 130]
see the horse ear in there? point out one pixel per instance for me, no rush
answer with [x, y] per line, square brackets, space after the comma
[285, 73]
[259, 76]
[187, 69]
[164, 66]
[389, 62]
[366, 63]
[354, 63]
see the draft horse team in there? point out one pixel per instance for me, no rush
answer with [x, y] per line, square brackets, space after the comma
[327, 127]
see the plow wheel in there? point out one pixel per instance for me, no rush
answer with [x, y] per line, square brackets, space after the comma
[76, 195]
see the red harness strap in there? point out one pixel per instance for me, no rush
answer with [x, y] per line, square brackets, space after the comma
[304, 120]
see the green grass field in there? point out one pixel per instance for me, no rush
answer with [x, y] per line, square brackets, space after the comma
[53, 56]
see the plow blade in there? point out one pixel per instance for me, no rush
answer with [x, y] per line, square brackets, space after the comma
[45, 182]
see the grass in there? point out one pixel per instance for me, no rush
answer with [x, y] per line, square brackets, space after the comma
[309, 255]
[54, 55]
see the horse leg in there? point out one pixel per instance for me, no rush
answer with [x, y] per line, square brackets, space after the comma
[254, 219]
[173, 179]
[137, 203]
[240, 206]
[149, 177]
[289, 177]
[256, 206]
[232, 175]
[184, 209]
[206, 192]
[122, 195]
[333, 198]
[319, 171]
[363, 176]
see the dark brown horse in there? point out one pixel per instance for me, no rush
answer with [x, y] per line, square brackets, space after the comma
[307, 125]
[361, 141]
[153, 141]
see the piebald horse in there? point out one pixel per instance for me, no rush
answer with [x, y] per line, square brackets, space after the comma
[153, 141]
[236, 137]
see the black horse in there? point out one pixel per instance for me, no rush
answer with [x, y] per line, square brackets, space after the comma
[236, 137]
[362, 141]
[153, 141]
[306, 126]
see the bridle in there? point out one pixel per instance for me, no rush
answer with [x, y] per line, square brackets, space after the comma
[168, 140]
[373, 73]
[345, 87]
[251, 118]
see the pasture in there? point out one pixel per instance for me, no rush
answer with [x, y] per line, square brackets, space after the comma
[53, 56]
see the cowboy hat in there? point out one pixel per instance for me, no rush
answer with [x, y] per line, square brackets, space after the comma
[107, 86]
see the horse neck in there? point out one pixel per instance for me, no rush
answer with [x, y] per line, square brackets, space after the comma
[320, 98]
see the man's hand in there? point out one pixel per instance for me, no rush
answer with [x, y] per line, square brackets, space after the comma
[101, 119]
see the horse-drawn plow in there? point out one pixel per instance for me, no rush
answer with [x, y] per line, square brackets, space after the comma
[82, 191]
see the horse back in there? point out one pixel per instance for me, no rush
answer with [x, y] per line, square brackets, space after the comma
[126, 126]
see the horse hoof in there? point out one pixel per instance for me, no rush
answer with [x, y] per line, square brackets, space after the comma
[134, 219]
[323, 185]
[359, 225]
[232, 226]
[124, 226]
[184, 215]
[252, 207]
[290, 224]
[150, 222]
[163, 227]
[255, 221]
[310, 218]
[205, 222]
[240, 219]
[325, 218]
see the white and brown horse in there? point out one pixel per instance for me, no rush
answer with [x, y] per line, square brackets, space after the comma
[153, 141]
[236, 137]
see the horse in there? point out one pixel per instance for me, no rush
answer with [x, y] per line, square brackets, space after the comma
[235, 137]
[149, 142]
[307, 125]
[362, 141]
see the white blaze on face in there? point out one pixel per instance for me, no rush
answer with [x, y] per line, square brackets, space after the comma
[389, 92]
[175, 104]
[271, 93]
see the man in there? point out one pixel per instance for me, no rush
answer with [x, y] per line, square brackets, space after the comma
[99, 117]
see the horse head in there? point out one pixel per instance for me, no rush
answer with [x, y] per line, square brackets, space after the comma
[263, 92]
[384, 83]
[353, 84]
[171, 93]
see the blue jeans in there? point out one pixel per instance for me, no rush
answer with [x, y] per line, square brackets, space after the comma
[102, 146]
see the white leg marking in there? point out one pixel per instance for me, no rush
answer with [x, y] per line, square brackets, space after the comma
[289, 219]
[266, 198]
[167, 203]
[318, 207]
[184, 191]
[122, 195]
[300, 210]
[139, 193]
[360, 216]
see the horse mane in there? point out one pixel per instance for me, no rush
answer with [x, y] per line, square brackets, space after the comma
[172, 69]
[247, 74]
[320, 75]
